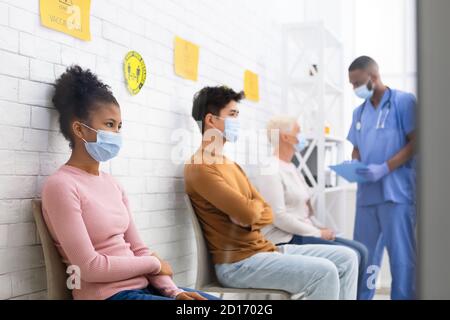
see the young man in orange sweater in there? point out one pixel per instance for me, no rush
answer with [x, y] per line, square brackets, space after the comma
[232, 214]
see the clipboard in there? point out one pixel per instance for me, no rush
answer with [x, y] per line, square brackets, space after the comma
[347, 170]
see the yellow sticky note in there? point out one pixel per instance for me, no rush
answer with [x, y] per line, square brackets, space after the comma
[68, 16]
[186, 58]
[251, 86]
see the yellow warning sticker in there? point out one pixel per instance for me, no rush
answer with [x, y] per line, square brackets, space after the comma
[68, 16]
[135, 72]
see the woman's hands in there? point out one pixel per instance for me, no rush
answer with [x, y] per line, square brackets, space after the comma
[166, 269]
[189, 296]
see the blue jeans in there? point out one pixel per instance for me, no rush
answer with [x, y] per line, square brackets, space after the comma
[359, 248]
[150, 293]
[318, 272]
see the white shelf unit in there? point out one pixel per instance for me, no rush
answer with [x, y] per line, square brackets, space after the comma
[312, 70]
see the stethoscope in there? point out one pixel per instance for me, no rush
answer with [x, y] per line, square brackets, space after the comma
[380, 122]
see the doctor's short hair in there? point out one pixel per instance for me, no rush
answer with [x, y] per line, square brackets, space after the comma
[212, 100]
[363, 63]
[279, 123]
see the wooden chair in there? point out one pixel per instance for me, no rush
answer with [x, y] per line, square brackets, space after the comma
[55, 268]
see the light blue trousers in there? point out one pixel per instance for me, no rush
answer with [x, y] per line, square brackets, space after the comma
[390, 225]
[320, 272]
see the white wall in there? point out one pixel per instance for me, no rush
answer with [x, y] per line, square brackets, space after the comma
[232, 37]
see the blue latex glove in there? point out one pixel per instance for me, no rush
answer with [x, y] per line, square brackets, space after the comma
[374, 172]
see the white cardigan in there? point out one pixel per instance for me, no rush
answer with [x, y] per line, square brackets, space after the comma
[287, 193]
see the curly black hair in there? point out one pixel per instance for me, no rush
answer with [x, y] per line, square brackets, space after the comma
[77, 93]
[212, 100]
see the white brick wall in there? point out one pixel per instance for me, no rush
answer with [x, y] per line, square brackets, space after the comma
[232, 38]
[9, 39]
[14, 65]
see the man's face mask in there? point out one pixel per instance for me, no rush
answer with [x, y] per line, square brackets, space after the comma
[365, 91]
[232, 128]
[106, 147]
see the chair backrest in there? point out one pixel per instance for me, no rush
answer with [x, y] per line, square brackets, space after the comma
[55, 268]
[206, 275]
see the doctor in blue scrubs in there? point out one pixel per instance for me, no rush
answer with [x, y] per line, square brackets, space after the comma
[383, 136]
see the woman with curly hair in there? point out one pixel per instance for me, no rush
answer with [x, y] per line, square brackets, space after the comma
[87, 211]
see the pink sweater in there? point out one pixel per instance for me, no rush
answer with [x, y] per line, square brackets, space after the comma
[90, 221]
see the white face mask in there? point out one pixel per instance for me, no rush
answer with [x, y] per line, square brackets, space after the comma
[302, 142]
[364, 92]
[232, 128]
[106, 147]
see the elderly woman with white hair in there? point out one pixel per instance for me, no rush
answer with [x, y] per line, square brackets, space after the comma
[288, 194]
